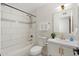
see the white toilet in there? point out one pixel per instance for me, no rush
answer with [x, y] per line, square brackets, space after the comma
[36, 50]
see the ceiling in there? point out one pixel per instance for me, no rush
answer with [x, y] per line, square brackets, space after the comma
[28, 7]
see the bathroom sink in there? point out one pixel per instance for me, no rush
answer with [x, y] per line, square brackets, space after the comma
[66, 42]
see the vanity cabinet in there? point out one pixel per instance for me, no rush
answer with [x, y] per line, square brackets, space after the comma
[58, 50]
[53, 49]
[68, 51]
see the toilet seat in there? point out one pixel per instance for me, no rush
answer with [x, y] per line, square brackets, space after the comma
[36, 50]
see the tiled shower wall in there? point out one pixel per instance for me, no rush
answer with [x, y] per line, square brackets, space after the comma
[15, 32]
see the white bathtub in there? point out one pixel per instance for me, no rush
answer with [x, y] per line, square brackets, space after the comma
[21, 52]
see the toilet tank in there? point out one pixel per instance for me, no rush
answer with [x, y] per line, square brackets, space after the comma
[42, 41]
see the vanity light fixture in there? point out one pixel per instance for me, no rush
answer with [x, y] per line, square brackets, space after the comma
[62, 7]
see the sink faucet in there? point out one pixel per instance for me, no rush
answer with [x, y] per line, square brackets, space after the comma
[62, 36]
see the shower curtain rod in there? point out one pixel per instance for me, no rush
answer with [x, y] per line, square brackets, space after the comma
[17, 9]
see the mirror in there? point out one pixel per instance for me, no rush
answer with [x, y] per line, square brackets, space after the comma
[63, 22]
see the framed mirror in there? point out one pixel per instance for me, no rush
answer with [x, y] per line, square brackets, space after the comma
[63, 22]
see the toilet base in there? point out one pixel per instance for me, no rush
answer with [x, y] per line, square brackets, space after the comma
[36, 55]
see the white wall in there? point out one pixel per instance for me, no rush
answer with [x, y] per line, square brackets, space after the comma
[15, 32]
[44, 15]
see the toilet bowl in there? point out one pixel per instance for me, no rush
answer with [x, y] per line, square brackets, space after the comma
[35, 51]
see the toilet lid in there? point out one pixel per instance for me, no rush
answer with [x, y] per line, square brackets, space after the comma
[36, 48]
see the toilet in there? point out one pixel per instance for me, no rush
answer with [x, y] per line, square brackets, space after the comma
[36, 50]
